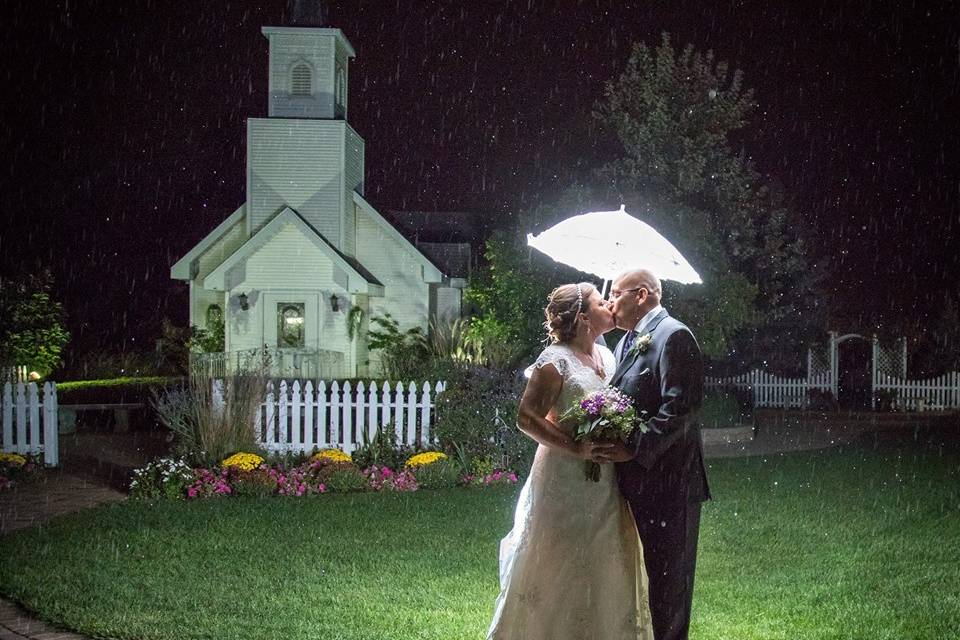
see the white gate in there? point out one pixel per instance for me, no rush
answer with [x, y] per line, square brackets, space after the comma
[30, 425]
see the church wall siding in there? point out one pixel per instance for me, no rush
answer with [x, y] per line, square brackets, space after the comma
[222, 249]
[353, 181]
[318, 53]
[406, 296]
[296, 163]
[291, 267]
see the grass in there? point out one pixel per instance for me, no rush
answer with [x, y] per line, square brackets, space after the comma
[855, 543]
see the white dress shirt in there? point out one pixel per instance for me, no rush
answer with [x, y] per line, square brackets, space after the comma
[645, 320]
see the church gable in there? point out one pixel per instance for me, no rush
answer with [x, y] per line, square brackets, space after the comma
[288, 252]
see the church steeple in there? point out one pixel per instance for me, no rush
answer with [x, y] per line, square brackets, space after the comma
[308, 65]
[307, 13]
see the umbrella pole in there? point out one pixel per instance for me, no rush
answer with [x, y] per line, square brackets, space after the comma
[603, 290]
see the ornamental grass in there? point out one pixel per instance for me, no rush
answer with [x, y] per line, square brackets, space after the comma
[212, 418]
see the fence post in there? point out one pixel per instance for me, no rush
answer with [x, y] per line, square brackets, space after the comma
[21, 419]
[361, 412]
[33, 401]
[7, 417]
[322, 439]
[425, 415]
[412, 413]
[296, 440]
[51, 426]
[385, 406]
[309, 401]
[372, 424]
[398, 412]
[270, 410]
[335, 414]
[349, 441]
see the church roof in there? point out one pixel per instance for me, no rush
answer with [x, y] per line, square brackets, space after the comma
[183, 268]
[359, 279]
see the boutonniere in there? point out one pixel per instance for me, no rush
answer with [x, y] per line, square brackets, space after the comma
[642, 344]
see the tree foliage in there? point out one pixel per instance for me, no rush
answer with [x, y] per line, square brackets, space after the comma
[32, 323]
[675, 115]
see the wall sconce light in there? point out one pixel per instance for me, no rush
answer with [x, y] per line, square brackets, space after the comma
[334, 302]
[244, 303]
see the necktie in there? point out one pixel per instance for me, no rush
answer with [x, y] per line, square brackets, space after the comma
[627, 343]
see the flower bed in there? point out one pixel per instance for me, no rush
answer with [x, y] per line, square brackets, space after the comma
[18, 469]
[330, 470]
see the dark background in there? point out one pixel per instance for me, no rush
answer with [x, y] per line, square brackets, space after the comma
[122, 127]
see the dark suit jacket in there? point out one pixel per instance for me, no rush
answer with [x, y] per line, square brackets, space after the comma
[666, 381]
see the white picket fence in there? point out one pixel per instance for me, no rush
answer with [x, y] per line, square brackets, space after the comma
[301, 417]
[922, 395]
[773, 391]
[14, 374]
[30, 425]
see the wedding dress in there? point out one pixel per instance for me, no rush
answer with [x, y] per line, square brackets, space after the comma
[572, 566]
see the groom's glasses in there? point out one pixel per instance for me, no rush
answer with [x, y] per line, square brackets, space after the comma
[616, 293]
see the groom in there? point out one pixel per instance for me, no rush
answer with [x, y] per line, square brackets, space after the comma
[661, 472]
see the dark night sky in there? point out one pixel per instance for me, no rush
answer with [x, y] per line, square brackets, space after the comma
[122, 127]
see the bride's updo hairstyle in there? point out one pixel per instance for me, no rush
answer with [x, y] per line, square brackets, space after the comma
[564, 306]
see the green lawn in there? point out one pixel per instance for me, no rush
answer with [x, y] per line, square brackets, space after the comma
[836, 544]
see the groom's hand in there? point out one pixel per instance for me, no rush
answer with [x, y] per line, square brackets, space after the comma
[611, 452]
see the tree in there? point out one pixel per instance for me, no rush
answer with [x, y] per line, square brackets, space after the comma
[509, 295]
[32, 332]
[674, 115]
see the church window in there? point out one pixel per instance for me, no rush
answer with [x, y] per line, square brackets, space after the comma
[214, 316]
[290, 325]
[301, 81]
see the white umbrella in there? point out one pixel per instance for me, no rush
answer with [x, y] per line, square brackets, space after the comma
[607, 243]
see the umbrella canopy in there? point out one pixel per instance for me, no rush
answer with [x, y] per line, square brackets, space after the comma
[607, 243]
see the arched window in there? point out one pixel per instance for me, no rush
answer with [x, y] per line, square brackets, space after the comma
[290, 324]
[214, 316]
[301, 81]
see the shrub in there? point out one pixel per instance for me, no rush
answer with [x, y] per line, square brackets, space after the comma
[437, 475]
[257, 482]
[386, 479]
[382, 450]
[163, 478]
[114, 390]
[476, 418]
[207, 484]
[821, 400]
[425, 459]
[343, 477]
[404, 355]
[243, 461]
[331, 455]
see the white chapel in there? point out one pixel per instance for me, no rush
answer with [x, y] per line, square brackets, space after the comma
[301, 266]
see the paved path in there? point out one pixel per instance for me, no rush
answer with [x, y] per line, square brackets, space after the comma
[57, 494]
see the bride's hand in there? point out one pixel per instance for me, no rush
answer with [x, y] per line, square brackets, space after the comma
[584, 449]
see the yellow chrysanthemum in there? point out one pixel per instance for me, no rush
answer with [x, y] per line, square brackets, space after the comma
[332, 455]
[425, 458]
[13, 459]
[243, 461]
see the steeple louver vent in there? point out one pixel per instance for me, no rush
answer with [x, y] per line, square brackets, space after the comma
[300, 81]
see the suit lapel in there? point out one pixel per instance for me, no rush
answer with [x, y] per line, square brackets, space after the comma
[631, 358]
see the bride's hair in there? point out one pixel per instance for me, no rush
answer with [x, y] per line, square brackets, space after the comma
[564, 304]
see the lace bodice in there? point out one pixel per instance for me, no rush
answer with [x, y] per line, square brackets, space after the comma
[578, 378]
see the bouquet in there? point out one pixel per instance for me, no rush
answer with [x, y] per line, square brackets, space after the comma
[604, 416]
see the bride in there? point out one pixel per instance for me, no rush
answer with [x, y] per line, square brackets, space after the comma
[572, 566]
